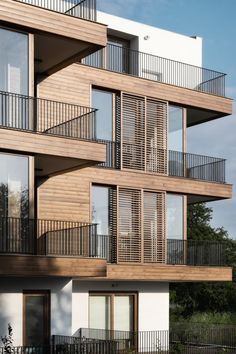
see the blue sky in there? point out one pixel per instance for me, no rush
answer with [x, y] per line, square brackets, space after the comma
[214, 21]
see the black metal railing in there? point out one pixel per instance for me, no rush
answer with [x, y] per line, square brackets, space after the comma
[207, 336]
[201, 167]
[50, 238]
[122, 341]
[132, 62]
[48, 117]
[112, 154]
[85, 9]
[197, 253]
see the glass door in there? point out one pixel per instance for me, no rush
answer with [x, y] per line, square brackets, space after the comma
[14, 79]
[36, 318]
[15, 235]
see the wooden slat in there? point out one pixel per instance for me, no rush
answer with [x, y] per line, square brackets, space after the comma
[156, 136]
[154, 227]
[129, 237]
[133, 132]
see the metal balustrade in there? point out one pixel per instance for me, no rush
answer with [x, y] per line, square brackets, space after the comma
[49, 117]
[50, 238]
[147, 66]
[179, 164]
[85, 9]
[182, 164]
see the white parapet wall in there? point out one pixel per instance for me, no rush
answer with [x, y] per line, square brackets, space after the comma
[153, 302]
[156, 41]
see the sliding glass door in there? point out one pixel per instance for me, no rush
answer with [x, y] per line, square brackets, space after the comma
[14, 204]
[14, 79]
[113, 311]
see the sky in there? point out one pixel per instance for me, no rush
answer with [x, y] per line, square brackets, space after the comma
[214, 21]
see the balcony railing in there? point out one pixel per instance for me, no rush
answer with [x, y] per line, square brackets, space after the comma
[112, 154]
[180, 164]
[85, 9]
[132, 62]
[50, 238]
[201, 167]
[197, 253]
[47, 117]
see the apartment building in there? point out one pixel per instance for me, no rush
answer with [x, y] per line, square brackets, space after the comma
[95, 172]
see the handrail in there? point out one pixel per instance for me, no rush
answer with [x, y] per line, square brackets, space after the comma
[152, 67]
[85, 9]
[45, 116]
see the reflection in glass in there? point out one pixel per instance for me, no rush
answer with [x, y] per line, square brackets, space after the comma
[100, 209]
[14, 186]
[175, 129]
[103, 101]
[13, 62]
[174, 216]
[34, 320]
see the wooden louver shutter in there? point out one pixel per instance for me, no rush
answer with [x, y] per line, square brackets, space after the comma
[133, 132]
[154, 227]
[112, 246]
[129, 237]
[156, 137]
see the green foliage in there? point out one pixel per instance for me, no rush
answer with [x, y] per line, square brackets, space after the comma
[7, 341]
[186, 299]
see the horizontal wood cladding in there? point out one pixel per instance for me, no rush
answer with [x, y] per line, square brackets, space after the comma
[51, 266]
[42, 20]
[168, 273]
[51, 145]
[73, 84]
[68, 195]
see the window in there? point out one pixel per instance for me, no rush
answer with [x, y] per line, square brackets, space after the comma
[14, 186]
[175, 215]
[118, 54]
[104, 102]
[175, 128]
[100, 209]
[16, 231]
[13, 61]
[36, 318]
[113, 311]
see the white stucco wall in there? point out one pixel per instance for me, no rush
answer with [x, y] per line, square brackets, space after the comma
[160, 42]
[11, 304]
[153, 303]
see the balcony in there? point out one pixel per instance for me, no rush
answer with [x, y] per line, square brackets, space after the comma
[62, 34]
[49, 247]
[180, 164]
[63, 131]
[151, 67]
[85, 9]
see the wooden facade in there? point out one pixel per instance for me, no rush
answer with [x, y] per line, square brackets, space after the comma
[138, 187]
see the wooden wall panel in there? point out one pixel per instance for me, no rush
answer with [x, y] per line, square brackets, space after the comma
[72, 84]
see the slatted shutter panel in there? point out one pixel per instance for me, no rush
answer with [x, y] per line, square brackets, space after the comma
[118, 130]
[129, 228]
[156, 136]
[133, 132]
[112, 243]
[154, 239]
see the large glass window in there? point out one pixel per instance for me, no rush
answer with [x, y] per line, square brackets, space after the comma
[175, 128]
[14, 186]
[175, 204]
[103, 101]
[13, 62]
[112, 311]
[100, 209]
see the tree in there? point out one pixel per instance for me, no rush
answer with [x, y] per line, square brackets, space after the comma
[188, 298]
[8, 341]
